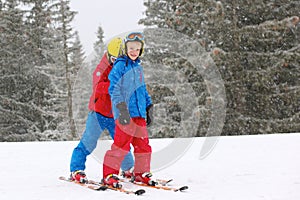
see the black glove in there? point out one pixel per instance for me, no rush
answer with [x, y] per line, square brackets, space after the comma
[124, 117]
[149, 110]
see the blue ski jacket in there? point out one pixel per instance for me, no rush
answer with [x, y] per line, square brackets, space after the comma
[127, 85]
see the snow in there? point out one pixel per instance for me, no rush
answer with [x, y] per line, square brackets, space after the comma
[262, 167]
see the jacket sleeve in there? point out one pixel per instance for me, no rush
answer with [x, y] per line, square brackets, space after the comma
[103, 84]
[115, 78]
[102, 88]
[96, 76]
[148, 98]
[100, 77]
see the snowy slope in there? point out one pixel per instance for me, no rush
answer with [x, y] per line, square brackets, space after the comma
[264, 167]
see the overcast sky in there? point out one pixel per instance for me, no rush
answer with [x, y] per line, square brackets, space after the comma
[114, 16]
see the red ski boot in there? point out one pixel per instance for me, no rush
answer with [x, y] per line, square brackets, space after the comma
[127, 174]
[112, 180]
[144, 178]
[79, 176]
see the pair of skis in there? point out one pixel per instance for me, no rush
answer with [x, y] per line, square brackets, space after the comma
[101, 187]
[94, 185]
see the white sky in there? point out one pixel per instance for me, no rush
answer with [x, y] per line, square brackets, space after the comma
[114, 16]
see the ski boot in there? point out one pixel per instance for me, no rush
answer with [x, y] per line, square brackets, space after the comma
[127, 174]
[144, 178]
[79, 176]
[112, 180]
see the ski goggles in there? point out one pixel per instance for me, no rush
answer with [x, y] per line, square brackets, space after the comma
[135, 36]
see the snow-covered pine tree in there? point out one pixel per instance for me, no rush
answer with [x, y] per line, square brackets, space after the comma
[190, 17]
[44, 58]
[80, 76]
[99, 48]
[63, 19]
[178, 73]
[33, 82]
[256, 48]
[83, 85]
[76, 58]
[13, 83]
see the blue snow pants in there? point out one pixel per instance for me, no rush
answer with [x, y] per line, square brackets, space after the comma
[95, 125]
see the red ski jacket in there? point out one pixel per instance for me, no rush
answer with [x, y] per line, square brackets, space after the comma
[100, 100]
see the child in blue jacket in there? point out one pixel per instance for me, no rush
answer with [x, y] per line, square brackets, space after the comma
[132, 110]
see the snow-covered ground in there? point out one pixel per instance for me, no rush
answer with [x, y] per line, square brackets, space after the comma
[264, 167]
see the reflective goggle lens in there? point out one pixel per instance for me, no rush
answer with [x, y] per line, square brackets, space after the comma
[133, 36]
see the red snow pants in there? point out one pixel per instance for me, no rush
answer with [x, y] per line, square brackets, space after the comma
[134, 133]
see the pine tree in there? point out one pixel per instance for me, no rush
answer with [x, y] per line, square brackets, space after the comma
[193, 18]
[11, 23]
[80, 76]
[12, 71]
[76, 58]
[99, 47]
[33, 57]
[42, 48]
[253, 45]
[41, 39]
[64, 17]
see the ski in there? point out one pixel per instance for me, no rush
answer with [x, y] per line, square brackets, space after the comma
[87, 185]
[161, 184]
[136, 192]
[163, 187]
[101, 187]
[163, 181]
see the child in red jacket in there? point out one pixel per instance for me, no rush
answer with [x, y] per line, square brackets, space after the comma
[100, 116]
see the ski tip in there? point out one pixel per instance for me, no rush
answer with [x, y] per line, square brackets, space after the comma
[139, 192]
[63, 178]
[168, 181]
[165, 182]
[183, 188]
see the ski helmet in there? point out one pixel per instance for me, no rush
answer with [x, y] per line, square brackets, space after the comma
[114, 49]
[135, 36]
